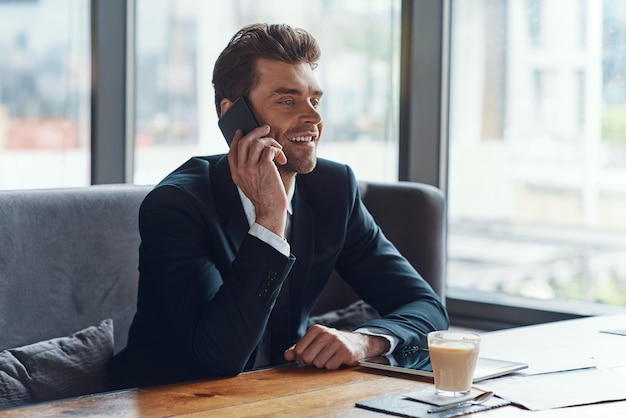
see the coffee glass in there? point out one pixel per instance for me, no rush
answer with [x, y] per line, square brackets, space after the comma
[453, 356]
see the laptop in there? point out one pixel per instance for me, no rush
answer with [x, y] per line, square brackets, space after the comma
[418, 363]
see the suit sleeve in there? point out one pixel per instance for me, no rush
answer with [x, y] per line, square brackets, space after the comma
[214, 303]
[381, 276]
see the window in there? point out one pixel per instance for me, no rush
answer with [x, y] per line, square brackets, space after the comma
[44, 93]
[177, 43]
[537, 149]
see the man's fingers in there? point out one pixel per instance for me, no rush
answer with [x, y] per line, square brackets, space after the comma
[295, 351]
[259, 151]
[322, 359]
[280, 158]
[308, 347]
[239, 139]
[321, 346]
[334, 362]
[290, 353]
[273, 153]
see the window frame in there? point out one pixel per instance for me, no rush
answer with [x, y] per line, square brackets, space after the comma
[112, 87]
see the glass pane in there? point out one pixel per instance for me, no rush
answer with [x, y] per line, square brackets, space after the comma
[44, 93]
[177, 42]
[537, 170]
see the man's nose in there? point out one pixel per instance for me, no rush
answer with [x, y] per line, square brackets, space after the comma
[312, 115]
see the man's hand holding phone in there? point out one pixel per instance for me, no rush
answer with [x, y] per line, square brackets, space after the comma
[251, 158]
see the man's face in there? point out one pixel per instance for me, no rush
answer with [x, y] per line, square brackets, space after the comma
[286, 98]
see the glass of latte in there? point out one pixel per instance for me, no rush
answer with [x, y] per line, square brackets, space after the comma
[453, 356]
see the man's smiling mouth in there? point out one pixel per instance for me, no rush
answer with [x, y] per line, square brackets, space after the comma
[301, 139]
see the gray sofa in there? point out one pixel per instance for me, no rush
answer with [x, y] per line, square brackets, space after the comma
[68, 262]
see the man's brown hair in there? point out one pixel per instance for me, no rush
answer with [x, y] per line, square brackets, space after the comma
[235, 73]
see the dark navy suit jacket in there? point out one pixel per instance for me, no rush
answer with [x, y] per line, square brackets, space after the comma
[207, 287]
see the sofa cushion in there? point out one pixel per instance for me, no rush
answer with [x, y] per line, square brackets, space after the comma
[348, 318]
[57, 368]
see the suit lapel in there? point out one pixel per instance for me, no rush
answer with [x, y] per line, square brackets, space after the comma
[284, 321]
[303, 231]
[228, 206]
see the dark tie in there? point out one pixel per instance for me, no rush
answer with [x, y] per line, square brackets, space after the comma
[277, 336]
[280, 326]
[280, 318]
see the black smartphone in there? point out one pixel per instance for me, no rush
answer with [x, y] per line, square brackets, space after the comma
[238, 116]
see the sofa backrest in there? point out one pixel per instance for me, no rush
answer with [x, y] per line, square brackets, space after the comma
[68, 259]
[413, 216]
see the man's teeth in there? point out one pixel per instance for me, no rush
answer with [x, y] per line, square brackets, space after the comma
[301, 139]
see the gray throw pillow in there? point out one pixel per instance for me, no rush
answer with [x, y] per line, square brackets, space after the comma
[349, 318]
[57, 368]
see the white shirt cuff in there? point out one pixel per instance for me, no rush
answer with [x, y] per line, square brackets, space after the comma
[279, 244]
[381, 332]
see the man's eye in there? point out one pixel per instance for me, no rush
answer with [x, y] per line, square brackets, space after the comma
[288, 101]
[315, 103]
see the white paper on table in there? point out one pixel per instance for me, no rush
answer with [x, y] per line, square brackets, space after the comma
[560, 389]
[557, 364]
[556, 360]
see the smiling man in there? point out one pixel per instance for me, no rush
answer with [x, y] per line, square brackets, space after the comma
[235, 249]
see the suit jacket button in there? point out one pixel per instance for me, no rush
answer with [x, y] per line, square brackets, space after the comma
[264, 290]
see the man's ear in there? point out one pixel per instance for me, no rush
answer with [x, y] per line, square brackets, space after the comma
[225, 104]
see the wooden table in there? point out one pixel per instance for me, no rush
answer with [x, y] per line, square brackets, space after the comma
[301, 391]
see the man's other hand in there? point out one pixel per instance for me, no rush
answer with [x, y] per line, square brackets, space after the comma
[330, 348]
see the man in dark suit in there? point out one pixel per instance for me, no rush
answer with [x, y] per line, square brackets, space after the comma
[236, 248]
